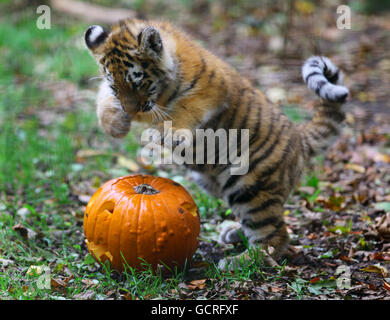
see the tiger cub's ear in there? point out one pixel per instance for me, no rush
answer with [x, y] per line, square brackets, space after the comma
[95, 37]
[150, 43]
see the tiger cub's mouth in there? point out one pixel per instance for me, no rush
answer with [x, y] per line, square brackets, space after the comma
[156, 112]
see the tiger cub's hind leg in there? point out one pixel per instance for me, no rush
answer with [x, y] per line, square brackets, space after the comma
[267, 227]
[264, 227]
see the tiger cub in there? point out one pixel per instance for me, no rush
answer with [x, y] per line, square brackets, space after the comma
[153, 72]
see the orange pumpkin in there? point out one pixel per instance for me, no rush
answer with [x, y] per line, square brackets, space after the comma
[141, 216]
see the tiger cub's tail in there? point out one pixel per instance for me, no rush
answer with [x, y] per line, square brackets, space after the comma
[325, 79]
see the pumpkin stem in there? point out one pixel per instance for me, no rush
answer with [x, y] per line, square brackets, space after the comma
[145, 189]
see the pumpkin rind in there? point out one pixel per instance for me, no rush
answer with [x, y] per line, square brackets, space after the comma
[159, 224]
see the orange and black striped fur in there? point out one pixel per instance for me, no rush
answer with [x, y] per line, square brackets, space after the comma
[154, 72]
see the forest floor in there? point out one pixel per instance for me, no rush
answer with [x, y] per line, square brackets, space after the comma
[55, 157]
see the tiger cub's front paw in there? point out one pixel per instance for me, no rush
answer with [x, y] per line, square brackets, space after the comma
[115, 122]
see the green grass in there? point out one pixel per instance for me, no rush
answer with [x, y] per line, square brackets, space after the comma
[49, 53]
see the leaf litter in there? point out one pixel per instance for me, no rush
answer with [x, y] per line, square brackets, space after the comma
[340, 218]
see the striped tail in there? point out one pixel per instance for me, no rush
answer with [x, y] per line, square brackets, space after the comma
[325, 79]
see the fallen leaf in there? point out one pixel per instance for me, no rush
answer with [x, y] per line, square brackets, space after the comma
[12, 289]
[110, 294]
[356, 232]
[276, 289]
[122, 161]
[334, 203]
[87, 295]
[57, 283]
[386, 285]
[200, 264]
[361, 198]
[128, 296]
[345, 258]
[314, 280]
[69, 278]
[145, 165]
[374, 155]
[312, 236]
[90, 282]
[304, 7]
[330, 264]
[376, 268]
[87, 153]
[381, 228]
[372, 286]
[379, 256]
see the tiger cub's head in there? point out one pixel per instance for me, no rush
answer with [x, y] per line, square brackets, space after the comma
[136, 61]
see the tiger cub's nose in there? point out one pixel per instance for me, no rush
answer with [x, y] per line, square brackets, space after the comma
[147, 106]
